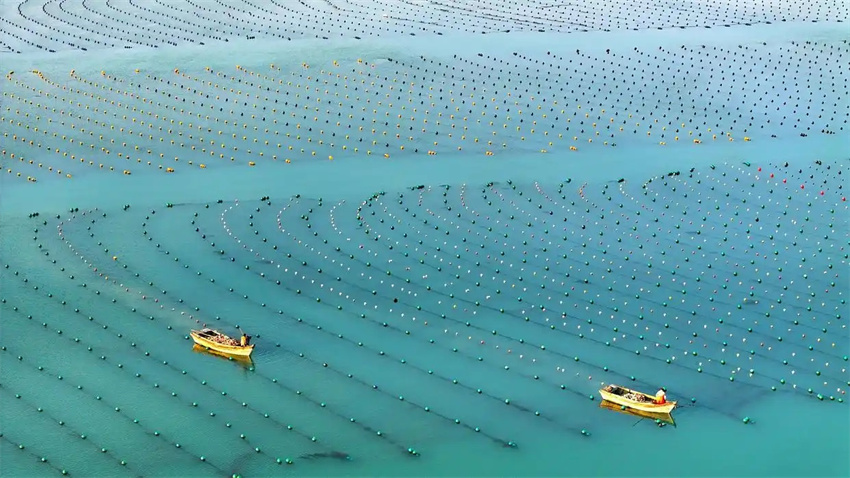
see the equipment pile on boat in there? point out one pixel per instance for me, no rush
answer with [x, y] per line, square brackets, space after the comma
[637, 398]
[223, 339]
[628, 394]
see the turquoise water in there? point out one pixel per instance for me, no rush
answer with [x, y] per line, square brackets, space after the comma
[426, 304]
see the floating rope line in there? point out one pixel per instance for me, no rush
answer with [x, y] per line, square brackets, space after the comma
[133, 344]
[521, 341]
[28, 449]
[418, 315]
[500, 311]
[212, 414]
[110, 25]
[484, 105]
[322, 405]
[384, 324]
[86, 438]
[381, 353]
[684, 311]
[729, 304]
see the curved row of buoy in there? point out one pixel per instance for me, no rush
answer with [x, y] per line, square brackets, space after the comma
[152, 356]
[427, 119]
[402, 331]
[668, 359]
[94, 401]
[506, 295]
[115, 26]
[301, 355]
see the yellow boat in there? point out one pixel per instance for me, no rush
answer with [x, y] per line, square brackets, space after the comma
[215, 340]
[635, 400]
[661, 417]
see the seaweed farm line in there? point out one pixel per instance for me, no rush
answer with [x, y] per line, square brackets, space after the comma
[445, 226]
[418, 315]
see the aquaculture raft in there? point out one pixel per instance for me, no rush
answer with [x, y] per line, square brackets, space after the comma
[219, 342]
[635, 400]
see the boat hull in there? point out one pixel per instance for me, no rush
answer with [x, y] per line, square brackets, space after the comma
[650, 407]
[242, 360]
[662, 417]
[236, 350]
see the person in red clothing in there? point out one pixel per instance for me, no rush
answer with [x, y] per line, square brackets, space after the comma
[660, 397]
